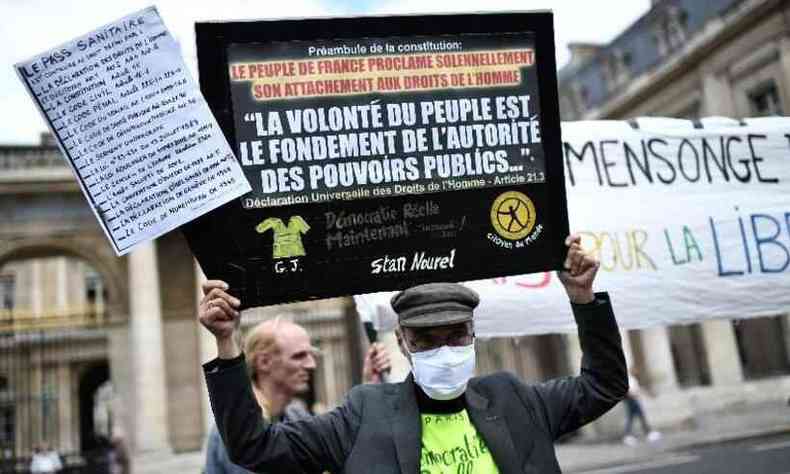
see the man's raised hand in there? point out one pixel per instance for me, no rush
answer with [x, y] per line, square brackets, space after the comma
[218, 312]
[579, 273]
[377, 364]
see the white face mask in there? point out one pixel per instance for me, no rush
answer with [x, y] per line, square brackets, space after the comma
[443, 373]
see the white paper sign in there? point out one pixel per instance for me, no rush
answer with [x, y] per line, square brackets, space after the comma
[689, 223]
[135, 128]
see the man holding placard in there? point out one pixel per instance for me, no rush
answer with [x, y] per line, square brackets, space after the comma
[439, 418]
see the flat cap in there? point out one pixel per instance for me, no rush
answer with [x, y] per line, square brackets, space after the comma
[434, 304]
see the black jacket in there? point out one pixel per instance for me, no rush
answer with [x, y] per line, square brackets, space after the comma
[377, 428]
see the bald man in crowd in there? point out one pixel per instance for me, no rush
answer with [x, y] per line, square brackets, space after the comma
[280, 360]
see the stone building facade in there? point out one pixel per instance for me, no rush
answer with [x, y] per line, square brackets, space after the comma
[691, 59]
[96, 345]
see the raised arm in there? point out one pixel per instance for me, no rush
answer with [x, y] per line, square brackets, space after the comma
[567, 403]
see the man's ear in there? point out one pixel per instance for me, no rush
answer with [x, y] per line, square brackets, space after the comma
[263, 362]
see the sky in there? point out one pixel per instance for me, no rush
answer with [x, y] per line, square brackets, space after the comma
[29, 27]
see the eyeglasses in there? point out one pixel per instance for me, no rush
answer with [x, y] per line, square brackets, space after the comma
[421, 340]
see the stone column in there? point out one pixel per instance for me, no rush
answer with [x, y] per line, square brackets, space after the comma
[611, 424]
[784, 59]
[65, 414]
[121, 374]
[721, 349]
[36, 293]
[627, 349]
[664, 404]
[718, 95]
[181, 349]
[526, 358]
[786, 332]
[18, 381]
[36, 371]
[149, 397]
[353, 345]
[659, 368]
[62, 285]
[208, 351]
[574, 350]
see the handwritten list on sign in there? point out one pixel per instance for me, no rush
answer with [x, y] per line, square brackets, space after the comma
[135, 128]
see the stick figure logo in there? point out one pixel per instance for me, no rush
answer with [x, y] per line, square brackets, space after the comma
[513, 215]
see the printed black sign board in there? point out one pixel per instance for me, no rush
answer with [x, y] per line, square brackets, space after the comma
[383, 152]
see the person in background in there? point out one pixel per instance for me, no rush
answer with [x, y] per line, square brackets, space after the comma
[634, 410]
[280, 360]
[119, 464]
[45, 460]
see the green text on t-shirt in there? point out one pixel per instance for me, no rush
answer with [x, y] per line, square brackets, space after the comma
[451, 445]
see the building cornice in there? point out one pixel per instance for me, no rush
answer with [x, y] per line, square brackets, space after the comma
[712, 36]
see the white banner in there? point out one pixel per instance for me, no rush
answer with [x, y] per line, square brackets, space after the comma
[691, 221]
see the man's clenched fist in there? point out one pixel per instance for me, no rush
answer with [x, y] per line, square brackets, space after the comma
[218, 312]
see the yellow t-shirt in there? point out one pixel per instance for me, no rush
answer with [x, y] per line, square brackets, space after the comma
[287, 240]
[451, 445]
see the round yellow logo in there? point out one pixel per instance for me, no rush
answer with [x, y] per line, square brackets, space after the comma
[513, 215]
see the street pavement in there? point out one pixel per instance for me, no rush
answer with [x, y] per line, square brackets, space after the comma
[765, 455]
[715, 437]
[752, 439]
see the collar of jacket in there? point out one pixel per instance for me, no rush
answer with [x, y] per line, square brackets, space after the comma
[490, 424]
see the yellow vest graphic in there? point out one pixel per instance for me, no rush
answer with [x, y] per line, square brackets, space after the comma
[287, 240]
[451, 445]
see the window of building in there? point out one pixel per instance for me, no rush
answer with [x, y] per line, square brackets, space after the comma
[95, 292]
[6, 419]
[675, 26]
[581, 97]
[670, 30]
[92, 288]
[616, 68]
[692, 112]
[688, 355]
[95, 295]
[761, 347]
[764, 100]
[7, 287]
[567, 107]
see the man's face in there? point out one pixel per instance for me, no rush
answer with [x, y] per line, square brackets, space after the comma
[425, 339]
[291, 367]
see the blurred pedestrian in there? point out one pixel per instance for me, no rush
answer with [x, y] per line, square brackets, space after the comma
[45, 460]
[119, 462]
[634, 410]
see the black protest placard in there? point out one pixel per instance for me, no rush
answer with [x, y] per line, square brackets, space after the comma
[383, 152]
